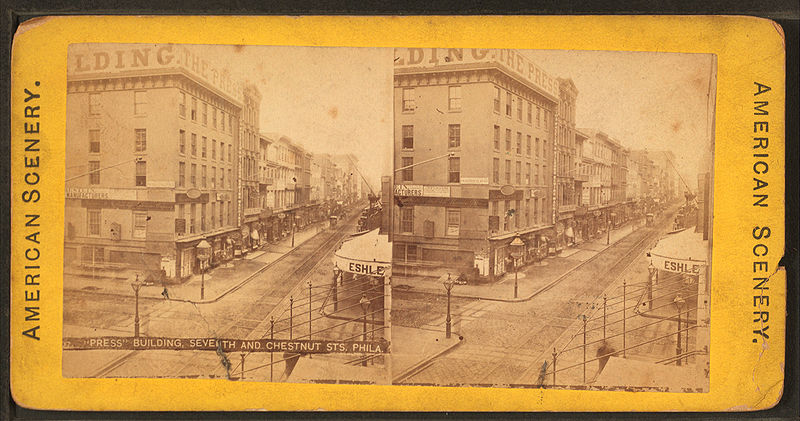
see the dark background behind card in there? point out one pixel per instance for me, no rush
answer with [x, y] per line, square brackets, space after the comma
[784, 12]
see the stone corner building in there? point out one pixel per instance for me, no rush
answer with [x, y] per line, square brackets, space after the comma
[151, 149]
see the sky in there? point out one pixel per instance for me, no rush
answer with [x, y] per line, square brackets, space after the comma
[335, 100]
[330, 100]
[646, 100]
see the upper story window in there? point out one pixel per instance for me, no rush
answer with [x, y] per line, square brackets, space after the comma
[182, 141]
[194, 109]
[496, 99]
[530, 113]
[409, 102]
[497, 137]
[141, 140]
[139, 102]
[94, 172]
[182, 104]
[454, 135]
[519, 109]
[453, 222]
[454, 100]
[141, 173]
[408, 137]
[205, 113]
[94, 141]
[408, 170]
[508, 139]
[508, 103]
[454, 170]
[519, 143]
[94, 104]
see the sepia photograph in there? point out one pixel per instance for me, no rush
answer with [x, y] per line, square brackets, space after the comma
[397, 216]
[223, 212]
[552, 218]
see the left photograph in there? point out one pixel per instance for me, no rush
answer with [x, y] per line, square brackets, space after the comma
[224, 213]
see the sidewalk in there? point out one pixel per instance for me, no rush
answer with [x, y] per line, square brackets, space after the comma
[218, 281]
[413, 348]
[530, 278]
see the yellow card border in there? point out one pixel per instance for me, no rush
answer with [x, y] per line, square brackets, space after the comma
[744, 376]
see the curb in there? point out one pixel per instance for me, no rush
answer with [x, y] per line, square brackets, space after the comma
[414, 369]
[244, 281]
[532, 295]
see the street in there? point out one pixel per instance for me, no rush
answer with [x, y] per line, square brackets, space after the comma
[508, 343]
[240, 312]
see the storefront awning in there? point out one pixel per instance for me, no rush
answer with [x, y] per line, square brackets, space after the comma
[682, 252]
[367, 254]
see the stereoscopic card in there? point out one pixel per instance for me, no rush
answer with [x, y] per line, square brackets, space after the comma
[398, 213]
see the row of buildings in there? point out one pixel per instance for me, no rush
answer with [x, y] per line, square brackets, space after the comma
[486, 148]
[164, 150]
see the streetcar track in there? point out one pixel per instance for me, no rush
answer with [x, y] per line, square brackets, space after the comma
[118, 362]
[615, 269]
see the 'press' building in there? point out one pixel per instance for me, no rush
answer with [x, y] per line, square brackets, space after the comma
[474, 134]
[151, 152]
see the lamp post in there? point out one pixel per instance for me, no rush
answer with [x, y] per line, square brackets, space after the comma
[136, 285]
[679, 302]
[652, 275]
[448, 285]
[203, 253]
[364, 301]
[336, 273]
[517, 246]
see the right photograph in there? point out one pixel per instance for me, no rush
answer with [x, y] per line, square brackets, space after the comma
[551, 219]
